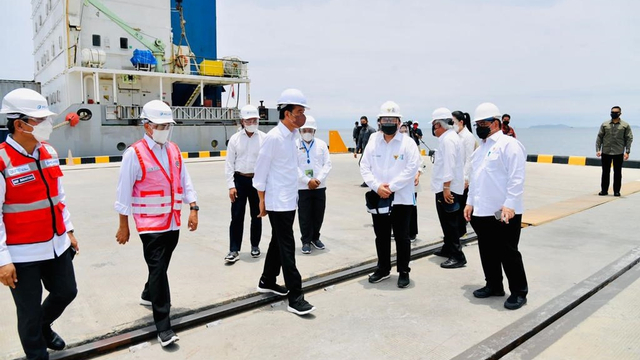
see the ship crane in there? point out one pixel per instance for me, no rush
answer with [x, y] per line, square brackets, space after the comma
[155, 45]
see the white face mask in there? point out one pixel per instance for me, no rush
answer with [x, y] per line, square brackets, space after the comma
[42, 131]
[251, 128]
[160, 136]
[456, 125]
[308, 137]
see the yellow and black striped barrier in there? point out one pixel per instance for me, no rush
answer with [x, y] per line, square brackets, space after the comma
[577, 160]
[118, 158]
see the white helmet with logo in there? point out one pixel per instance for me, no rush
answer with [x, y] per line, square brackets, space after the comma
[27, 102]
[485, 111]
[157, 112]
[249, 112]
[292, 97]
[390, 109]
[310, 123]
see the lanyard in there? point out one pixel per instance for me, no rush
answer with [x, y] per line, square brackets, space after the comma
[307, 150]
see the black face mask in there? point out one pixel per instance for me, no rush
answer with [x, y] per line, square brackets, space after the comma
[433, 130]
[483, 132]
[506, 123]
[615, 115]
[389, 129]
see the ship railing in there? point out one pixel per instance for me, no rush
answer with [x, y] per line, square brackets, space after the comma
[191, 115]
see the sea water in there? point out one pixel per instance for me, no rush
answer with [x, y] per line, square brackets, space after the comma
[562, 141]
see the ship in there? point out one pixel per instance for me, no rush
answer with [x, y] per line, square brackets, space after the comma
[104, 59]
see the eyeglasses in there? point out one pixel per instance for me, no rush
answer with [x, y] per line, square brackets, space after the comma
[484, 123]
[37, 120]
[250, 121]
[160, 126]
[388, 120]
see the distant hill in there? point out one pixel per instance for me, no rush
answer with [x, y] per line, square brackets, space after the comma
[550, 126]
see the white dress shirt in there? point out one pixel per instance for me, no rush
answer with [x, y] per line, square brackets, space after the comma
[449, 164]
[276, 171]
[242, 152]
[313, 163]
[497, 175]
[130, 172]
[395, 163]
[39, 251]
[469, 144]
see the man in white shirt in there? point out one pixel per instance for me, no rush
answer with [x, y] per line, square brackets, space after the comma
[313, 167]
[447, 182]
[152, 187]
[37, 242]
[462, 125]
[494, 206]
[276, 179]
[242, 152]
[389, 166]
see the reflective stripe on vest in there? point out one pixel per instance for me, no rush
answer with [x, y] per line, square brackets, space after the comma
[32, 210]
[157, 197]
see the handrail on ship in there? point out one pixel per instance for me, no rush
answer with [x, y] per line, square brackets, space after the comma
[185, 115]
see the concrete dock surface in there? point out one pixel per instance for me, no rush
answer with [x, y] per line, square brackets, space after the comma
[435, 318]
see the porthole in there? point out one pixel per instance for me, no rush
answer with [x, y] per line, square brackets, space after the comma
[214, 144]
[121, 146]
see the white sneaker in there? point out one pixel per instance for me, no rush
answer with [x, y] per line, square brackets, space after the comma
[145, 302]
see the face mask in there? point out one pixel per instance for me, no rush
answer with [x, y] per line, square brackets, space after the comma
[251, 128]
[483, 132]
[615, 115]
[389, 129]
[506, 123]
[456, 125]
[404, 133]
[42, 131]
[433, 130]
[160, 136]
[307, 137]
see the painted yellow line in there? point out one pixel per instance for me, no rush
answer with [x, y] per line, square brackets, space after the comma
[578, 160]
[545, 159]
[203, 154]
[223, 152]
[185, 155]
[102, 159]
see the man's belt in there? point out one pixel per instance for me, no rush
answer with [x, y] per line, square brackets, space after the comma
[249, 175]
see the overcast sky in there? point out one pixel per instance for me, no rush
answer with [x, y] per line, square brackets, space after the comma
[542, 61]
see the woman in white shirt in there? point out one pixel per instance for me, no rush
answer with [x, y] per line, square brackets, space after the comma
[462, 125]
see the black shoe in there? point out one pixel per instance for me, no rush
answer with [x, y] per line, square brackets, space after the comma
[167, 337]
[272, 288]
[53, 340]
[300, 307]
[515, 302]
[378, 276]
[306, 248]
[486, 291]
[255, 251]
[616, 194]
[441, 253]
[364, 184]
[232, 257]
[403, 280]
[603, 193]
[412, 239]
[317, 244]
[453, 263]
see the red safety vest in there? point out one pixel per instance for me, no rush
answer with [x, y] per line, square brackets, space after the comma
[157, 197]
[32, 210]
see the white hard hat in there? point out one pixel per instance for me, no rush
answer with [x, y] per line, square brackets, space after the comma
[293, 97]
[249, 112]
[310, 123]
[441, 114]
[27, 102]
[485, 111]
[390, 109]
[157, 112]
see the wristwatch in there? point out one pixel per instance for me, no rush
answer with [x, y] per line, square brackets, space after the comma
[195, 207]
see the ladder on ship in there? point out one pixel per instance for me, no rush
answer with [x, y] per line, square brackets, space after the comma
[194, 96]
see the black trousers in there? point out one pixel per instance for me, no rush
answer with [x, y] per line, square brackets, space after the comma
[413, 220]
[158, 248]
[498, 244]
[246, 191]
[449, 222]
[59, 279]
[382, 225]
[462, 222]
[311, 206]
[281, 254]
[617, 172]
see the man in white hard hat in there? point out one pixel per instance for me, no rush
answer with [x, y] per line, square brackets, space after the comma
[37, 242]
[314, 165]
[494, 206]
[447, 182]
[389, 166]
[153, 186]
[242, 153]
[276, 179]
